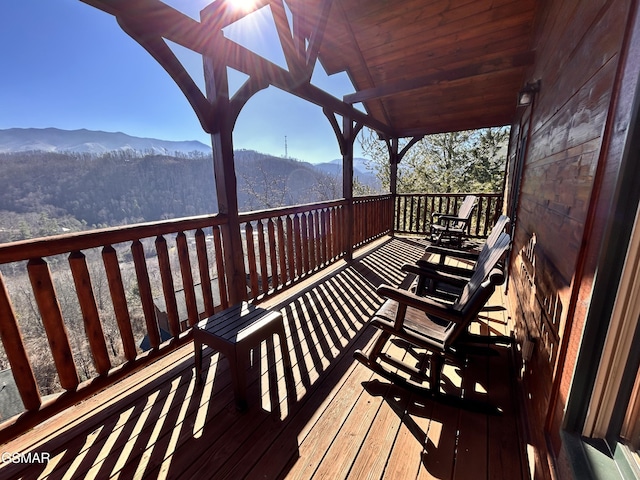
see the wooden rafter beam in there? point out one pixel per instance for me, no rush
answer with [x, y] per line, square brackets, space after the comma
[315, 40]
[281, 21]
[361, 60]
[499, 64]
[223, 13]
[159, 50]
[163, 21]
[245, 61]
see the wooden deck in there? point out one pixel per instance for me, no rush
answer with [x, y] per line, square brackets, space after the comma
[333, 419]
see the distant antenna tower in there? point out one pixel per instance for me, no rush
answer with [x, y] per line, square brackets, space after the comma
[286, 152]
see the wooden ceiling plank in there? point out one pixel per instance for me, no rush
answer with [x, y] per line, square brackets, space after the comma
[468, 71]
[430, 33]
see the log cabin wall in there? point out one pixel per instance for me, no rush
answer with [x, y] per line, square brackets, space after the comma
[578, 46]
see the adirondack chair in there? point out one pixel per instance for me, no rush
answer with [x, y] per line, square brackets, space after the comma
[440, 328]
[430, 274]
[453, 227]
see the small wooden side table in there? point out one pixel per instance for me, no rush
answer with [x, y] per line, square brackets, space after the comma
[234, 332]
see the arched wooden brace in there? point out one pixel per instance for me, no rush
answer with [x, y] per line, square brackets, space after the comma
[158, 49]
[346, 137]
[217, 114]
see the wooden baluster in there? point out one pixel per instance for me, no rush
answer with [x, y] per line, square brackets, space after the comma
[342, 239]
[281, 251]
[478, 215]
[16, 353]
[263, 258]
[419, 224]
[144, 288]
[335, 233]
[251, 259]
[425, 227]
[89, 309]
[119, 301]
[312, 243]
[222, 279]
[487, 220]
[290, 256]
[397, 219]
[45, 296]
[329, 240]
[326, 235]
[273, 256]
[297, 237]
[319, 237]
[305, 242]
[203, 268]
[187, 278]
[411, 214]
[168, 287]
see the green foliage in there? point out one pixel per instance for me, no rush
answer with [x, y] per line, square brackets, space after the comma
[467, 161]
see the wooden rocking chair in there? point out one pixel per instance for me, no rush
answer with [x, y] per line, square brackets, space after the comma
[440, 328]
[429, 273]
[453, 227]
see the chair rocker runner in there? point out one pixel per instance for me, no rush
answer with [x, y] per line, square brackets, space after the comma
[453, 227]
[441, 329]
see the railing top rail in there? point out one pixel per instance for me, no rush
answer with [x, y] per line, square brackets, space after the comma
[280, 211]
[464, 194]
[60, 244]
[381, 196]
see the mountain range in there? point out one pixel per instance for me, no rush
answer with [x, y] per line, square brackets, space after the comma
[14, 140]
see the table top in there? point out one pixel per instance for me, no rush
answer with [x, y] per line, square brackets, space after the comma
[237, 322]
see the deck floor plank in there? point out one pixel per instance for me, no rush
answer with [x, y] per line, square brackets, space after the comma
[330, 417]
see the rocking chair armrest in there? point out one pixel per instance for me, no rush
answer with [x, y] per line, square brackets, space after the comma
[449, 252]
[463, 272]
[450, 218]
[450, 277]
[425, 304]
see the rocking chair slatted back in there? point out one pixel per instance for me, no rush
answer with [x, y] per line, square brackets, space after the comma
[485, 265]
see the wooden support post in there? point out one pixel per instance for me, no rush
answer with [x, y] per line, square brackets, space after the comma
[347, 183]
[221, 128]
[393, 179]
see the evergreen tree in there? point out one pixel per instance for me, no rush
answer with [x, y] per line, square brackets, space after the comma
[466, 161]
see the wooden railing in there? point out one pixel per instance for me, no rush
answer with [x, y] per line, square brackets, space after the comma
[413, 211]
[372, 218]
[135, 265]
[283, 245]
[79, 311]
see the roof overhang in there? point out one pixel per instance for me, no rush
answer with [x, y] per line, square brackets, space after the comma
[418, 67]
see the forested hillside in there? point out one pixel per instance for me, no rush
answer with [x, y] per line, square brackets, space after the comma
[43, 193]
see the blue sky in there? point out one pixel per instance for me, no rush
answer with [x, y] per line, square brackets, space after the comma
[65, 64]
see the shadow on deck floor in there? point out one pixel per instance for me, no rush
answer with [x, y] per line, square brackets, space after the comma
[333, 419]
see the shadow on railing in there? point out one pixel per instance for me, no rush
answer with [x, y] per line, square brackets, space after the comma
[413, 211]
[283, 245]
[79, 311]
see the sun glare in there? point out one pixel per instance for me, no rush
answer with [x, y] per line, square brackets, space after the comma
[244, 5]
